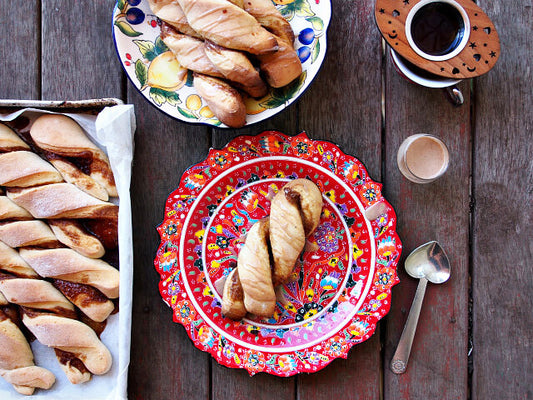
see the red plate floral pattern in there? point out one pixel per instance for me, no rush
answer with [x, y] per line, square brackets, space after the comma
[341, 285]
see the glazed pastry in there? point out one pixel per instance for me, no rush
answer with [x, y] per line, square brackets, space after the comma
[189, 51]
[255, 273]
[237, 68]
[68, 265]
[11, 262]
[70, 336]
[61, 135]
[61, 200]
[9, 210]
[271, 250]
[282, 67]
[228, 25]
[233, 297]
[223, 100]
[294, 214]
[9, 140]
[170, 12]
[35, 293]
[74, 175]
[269, 17]
[27, 233]
[71, 234]
[24, 168]
[16, 360]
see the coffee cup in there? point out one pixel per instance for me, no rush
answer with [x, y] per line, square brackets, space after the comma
[422, 158]
[437, 30]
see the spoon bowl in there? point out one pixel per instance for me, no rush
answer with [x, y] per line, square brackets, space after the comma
[430, 263]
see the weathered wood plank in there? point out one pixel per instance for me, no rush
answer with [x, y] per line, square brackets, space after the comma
[503, 182]
[343, 105]
[78, 55]
[437, 211]
[19, 50]
[164, 362]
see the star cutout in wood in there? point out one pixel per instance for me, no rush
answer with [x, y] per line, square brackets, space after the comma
[492, 54]
[473, 45]
[382, 11]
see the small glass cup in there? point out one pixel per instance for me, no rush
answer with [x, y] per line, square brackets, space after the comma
[422, 158]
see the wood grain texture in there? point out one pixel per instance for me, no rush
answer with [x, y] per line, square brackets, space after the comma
[437, 368]
[78, 55]
[503, 190]
[164, 362]
[343, 105]
[19, 50]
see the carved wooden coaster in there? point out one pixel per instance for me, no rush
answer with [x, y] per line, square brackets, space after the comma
[481, 43]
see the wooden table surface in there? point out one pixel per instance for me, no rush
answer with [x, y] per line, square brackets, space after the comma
[474, 338]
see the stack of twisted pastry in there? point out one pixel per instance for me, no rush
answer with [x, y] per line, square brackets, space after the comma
[271, 249]
[56, 224]
[222, 42]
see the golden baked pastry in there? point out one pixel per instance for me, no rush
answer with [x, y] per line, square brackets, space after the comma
[10, 211]
[71, 234]
[282, 67]
[170, 12]
[27, 233]
[9, 140]
[225, 101]
[16, 360]
[228, 25]
[71, 336]
[68, 265]
[269, 17]
[61, 135]
[237, 68]
[24, 168]
[61, 200]
[271, 249]
[189, 51]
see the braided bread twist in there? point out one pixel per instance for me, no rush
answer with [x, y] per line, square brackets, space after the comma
[271, 250]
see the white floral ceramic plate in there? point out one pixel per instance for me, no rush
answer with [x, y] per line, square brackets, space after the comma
[141, 51]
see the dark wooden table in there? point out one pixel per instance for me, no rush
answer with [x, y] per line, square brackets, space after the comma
[474, 338]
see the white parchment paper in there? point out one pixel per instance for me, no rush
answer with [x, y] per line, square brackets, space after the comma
[112, 130]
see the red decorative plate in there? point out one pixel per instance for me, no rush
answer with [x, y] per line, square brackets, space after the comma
[339, 291]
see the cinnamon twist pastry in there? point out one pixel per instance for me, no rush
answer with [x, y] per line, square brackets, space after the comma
[71, 336]
[49, 134]
[10, 211]
[271, 250]
[61, 200]
[24, 168]
[27, 233]
[68, 265]
[10, 141]
[16, 360]
[228, 25]
[35, 293]
[13, 263]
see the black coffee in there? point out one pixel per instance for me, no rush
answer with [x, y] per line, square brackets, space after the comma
[437, 28]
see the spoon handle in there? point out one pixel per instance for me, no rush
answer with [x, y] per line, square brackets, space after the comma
[398, 364]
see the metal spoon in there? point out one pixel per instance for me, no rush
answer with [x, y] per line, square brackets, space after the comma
[428, 262]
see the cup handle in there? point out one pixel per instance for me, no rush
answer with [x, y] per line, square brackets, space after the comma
[454, 95]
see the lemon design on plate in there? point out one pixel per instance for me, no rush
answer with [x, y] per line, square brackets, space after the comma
[166, 73]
